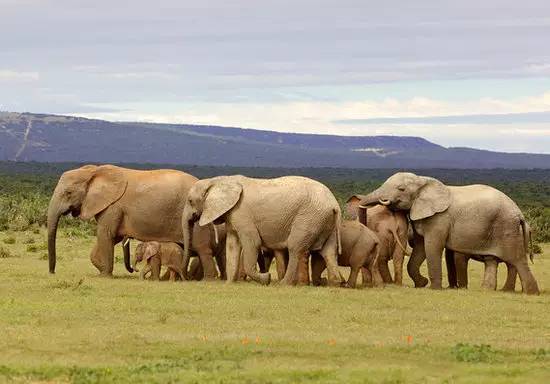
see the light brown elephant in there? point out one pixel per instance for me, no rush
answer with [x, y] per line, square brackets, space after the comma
[209, 237]
[292, 212]
[126, 203]
[157, 255]
[472, 219]
[391, 227]
[360, 250]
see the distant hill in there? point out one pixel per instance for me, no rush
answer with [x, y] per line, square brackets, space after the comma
[51, 138]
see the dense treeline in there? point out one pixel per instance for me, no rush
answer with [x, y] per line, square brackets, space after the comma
[25, 188]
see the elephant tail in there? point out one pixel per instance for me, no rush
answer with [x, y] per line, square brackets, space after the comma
[338, 220]
[527, 239]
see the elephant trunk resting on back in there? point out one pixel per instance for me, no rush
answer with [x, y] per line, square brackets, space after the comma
[145, 205]
[473, 220]
[294, 213]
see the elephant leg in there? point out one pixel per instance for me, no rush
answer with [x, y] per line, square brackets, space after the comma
[528, 282]
[385, 271]
[165, 276]
[250, 248]
[232, 256]
[330, 254]
[103, 256]
[303, 269]
[220, 261]
[280, 260]
[155, 268]
[415, 261]
[510, 284]
[398, 258]
[352, 280]
[451, 268]
[434, 249]
[317, 267]
[461, 267]
[144, 271]
[367, 277]
[490, 274]
[207, 262]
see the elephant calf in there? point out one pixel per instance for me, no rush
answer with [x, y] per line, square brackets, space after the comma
[360, 249]
[157, 254]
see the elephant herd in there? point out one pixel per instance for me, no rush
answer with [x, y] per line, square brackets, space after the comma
[234, 226]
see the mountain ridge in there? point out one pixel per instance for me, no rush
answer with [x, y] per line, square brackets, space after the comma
[59, 138]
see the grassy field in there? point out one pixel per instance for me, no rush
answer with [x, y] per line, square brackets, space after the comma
[77, 327]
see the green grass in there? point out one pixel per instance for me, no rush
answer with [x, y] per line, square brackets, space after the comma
[77, 327]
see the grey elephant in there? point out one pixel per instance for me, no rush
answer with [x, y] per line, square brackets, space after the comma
[391, 227]
[126, 203]
[292, 212]
[160, 254]
[473, 219]
[360, 252]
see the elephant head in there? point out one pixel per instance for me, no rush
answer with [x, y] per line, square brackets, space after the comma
[144, 251]
[84, 193]
[421, 196]
[208, 201]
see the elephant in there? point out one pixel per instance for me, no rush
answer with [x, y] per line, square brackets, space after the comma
[157, 254]
[126, 203]
[471, 219]
[210, 238]
[360, 249]
[391, 227]
[290, 212]
[457, 271]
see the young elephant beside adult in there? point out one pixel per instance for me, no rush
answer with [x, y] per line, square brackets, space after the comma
[126, 203]
[472, 219]
[292, 212]
[360, 250]
[391, 227]
[158, 254]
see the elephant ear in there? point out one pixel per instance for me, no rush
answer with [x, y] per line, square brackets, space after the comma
[220, 198]
[433, 197]
[352, 205]
[105, 187]
[152, 248]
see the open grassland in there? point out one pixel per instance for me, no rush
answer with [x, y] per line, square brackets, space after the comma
[77, 327]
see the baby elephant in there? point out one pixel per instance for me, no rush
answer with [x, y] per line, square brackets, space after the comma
[157, 254]
[360, 249]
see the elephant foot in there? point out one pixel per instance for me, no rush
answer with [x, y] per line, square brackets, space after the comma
[264, 278]
[436, 286]
[421, 282]
[106, 274]
[508, 289]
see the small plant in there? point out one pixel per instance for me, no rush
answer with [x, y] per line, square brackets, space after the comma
[28, 240]
[5, 253]
[36, 231]
[163, 318]
[32, 248]
[473, 353]
[9, 240]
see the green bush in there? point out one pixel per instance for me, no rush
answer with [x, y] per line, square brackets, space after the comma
[468, 353]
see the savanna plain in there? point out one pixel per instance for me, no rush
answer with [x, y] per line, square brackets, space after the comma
[77, 327]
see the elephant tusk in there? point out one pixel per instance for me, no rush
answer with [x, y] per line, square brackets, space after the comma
[216, 237]
[384, 202]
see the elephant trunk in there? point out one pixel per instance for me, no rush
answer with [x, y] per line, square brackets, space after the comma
[187, 227]
[134, 263]
[126, 251]
[373, 198]
[54, 213]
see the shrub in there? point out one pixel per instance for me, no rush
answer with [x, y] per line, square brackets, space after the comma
[5, 253]
[9, 240]
[473, 353]
[28, 240]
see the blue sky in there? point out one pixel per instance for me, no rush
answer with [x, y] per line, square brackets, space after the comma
[468, 73]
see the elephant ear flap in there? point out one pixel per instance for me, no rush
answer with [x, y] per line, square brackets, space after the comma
[106, 186]
[433, 197]
[151, 249]
[220, 198]
[352, 206]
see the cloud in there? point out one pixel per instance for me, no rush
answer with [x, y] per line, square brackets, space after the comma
[17, 76]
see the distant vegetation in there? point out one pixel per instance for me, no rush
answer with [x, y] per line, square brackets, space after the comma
[25, 188]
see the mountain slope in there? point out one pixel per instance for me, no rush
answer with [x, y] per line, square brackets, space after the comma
[49, 138]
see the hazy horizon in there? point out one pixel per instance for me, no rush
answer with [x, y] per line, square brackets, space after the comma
[459, 74]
